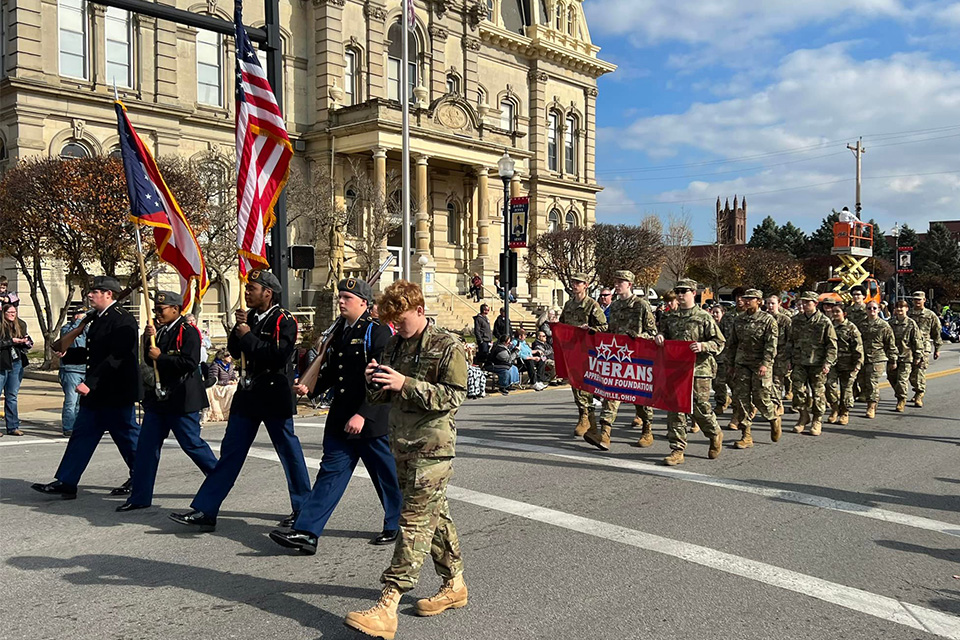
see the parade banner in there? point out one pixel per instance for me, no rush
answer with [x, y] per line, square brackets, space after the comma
[632, 370]
[904, 259]
[518, 222]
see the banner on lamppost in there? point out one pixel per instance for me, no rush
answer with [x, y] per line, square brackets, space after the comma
[904, 259]
[519, 207]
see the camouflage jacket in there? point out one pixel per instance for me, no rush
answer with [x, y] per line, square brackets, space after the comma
[813, 341]
[422, 416]
[726, 328]
[784, 327]
[929, 327]
[754, 340]
[632, 317]
[907, 337]
[879, 344]
[857, 314]
[849, 346]
[586, 311]
[695, 325]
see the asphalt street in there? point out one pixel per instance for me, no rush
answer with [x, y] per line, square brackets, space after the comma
[850, 535]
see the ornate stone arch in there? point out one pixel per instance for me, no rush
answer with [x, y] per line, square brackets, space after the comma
[444, 111]
[77, 133]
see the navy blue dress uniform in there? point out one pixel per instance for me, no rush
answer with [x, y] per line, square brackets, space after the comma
[113, 377]
[176, 407]
[265, 395]
[350, 350]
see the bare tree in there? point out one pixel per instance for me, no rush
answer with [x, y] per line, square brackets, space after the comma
[372, 216]
[636, 248]
[677, 242]
[559, 254]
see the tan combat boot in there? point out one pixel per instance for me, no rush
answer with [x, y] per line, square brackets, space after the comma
[834, 414]
[637, 422]
[901, 405]
[815, 428]
[779, 409]
[646, 436]
[844, 416]
[734, 424]
[775, 429]
[918, 400]
[380, 620]
[715, 445]
[582, 425]
[871, 410]
[718, 408]
[675, 458]
[746, 439]
[801, 421]
[600, 439]
[694, 428]
[753, 413]
[452, 595]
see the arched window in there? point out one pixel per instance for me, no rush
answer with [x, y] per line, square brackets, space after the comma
[395, 56]
[215, 179]
[453, 84]
[572, 21]
[209, 68]
[560, 16]
[569, 146]
[354, 212]
[481, 95]
[453, 224]
[350, 88]
[553, 220]
[116, 153]
[507, 114]
[570, 220]
[553, 136]
[74, 150]
[3, 157]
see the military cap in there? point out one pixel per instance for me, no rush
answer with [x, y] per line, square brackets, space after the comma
[686, 283]
[169, 299]
[809, 295]
[828, 302]
[580, 277]
[752, 293]
[623, 274]
[919, 295]
[265, 279]
[106, 283]
[356, 287]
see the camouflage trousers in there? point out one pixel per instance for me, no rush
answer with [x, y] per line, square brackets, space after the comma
[781, 376]
[584, 400]
[901, 377]
[750, 390]
[720, 395]
[425, 524]
[840, 388]
[809, 387]
[703, 416]
[870, 377]
[918, 379]
[608, 414]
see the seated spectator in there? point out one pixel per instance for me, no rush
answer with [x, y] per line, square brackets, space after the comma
[220, 395]
[500, 290]
[501, 361]
[543, 323]
[476, 287]
[534, 364]
[542, 349]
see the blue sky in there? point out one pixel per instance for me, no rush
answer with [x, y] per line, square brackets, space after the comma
[724, 97]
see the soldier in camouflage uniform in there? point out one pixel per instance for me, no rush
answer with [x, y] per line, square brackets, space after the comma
[879, 349]
[424, 377]
[813, 343]
[721, 397]
[857, 314]
[930, 340]
[753, 350]
[842, 376]
[781, 366]
[909, 350]
[691, 323]
[631, 316]
[583, 311]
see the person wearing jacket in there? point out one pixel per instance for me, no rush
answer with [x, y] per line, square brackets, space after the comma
[173, 402]
[15, 343]
[482, 334]
[73, 365]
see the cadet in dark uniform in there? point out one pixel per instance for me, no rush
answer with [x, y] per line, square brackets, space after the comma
[355, 429]
[110, 389]
[177, 406]
[266, 335]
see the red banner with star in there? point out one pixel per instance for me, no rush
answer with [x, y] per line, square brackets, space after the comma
[632, 370]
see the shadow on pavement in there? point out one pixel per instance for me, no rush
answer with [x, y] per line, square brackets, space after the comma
[939, 502]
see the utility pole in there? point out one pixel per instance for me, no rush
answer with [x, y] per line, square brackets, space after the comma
[858, 152]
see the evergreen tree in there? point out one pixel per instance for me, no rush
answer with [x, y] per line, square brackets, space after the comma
[938, 254]
[909, 237]
[793, 240]
[765, 235]
[821, 240]
[881, 247]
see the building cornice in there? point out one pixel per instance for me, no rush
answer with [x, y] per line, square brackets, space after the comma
[538, 47]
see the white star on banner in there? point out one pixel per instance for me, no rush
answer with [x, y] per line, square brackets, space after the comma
[624, 354]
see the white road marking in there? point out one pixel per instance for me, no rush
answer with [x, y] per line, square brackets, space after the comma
[852, 508]
[21, 441]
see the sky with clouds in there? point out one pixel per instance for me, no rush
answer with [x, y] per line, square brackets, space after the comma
[723, 97]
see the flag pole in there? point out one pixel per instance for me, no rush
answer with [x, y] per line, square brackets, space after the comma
[405, 162]
[146, 303]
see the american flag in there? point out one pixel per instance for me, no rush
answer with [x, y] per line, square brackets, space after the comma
[263, 153]
[153, 205]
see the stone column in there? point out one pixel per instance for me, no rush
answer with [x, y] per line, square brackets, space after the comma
[380, 170]
[98, 58]
[483, 206]
[27, 59]
[376, 14]
[167, 88]
[515, 185]
[470, 215]
[423, 202]
[590, 131]
[144, 74]
[438, 76]
[471, 68]
[328, 47]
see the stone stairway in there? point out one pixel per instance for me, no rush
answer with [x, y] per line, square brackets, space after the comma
[455, 312]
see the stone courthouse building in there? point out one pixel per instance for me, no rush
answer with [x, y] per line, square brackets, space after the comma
[485, 76]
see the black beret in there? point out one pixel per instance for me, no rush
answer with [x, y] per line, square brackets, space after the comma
[357, 287]
[106, 283]
[169, 299]
[265, 279]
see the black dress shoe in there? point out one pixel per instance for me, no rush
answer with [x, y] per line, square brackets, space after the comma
[124, 489]
[304, 541]
[387, 536]
[287, 523]
[198, 519]
[56, 488]
[129, 506]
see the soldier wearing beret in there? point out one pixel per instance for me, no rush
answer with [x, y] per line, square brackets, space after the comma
[109, 391]
[631, 316]
[355, 429]
[266, 336]
[583, 311]
[813, 345]
[930, 341]
[173, 402]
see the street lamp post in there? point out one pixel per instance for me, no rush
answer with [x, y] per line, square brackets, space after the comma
[505, 168]
[895, 232]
